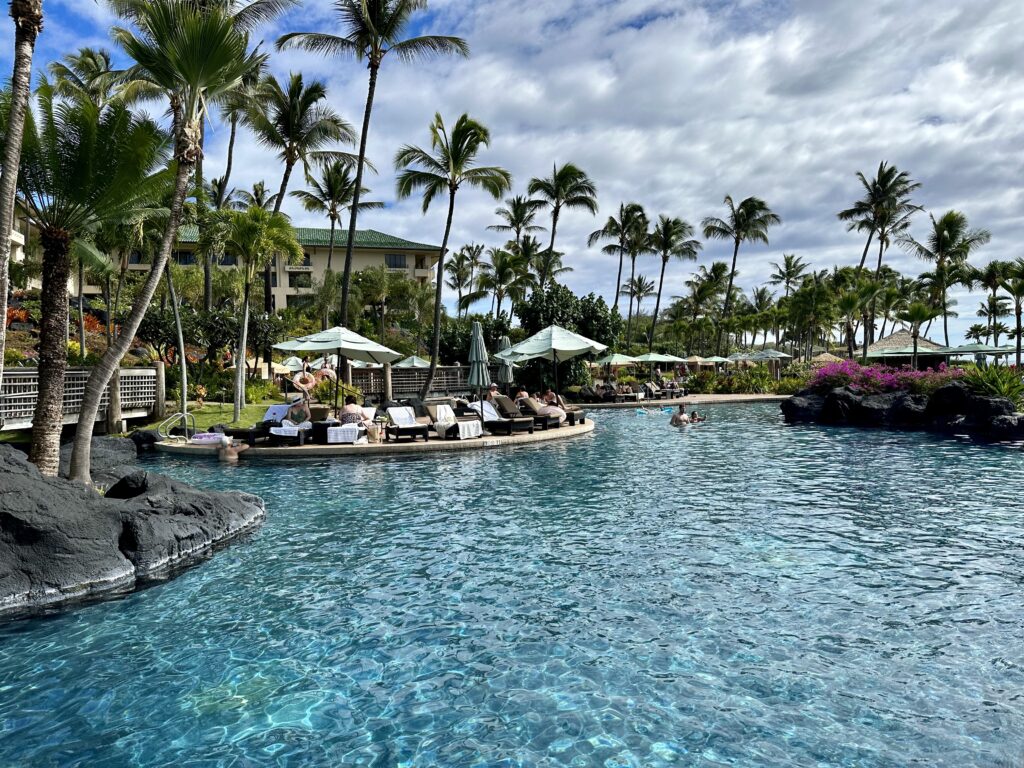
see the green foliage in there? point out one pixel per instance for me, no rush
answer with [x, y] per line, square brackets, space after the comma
[997, 380]
[455, 333]
[13, 357]
[598, 321]
[555, 305]
[258, 390]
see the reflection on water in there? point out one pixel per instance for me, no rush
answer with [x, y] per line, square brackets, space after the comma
[734, 593]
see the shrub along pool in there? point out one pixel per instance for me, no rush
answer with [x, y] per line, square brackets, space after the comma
[734, 593]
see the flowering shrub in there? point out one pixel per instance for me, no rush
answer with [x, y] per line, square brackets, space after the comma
[874, 379]
[16, 315]
[93, 324]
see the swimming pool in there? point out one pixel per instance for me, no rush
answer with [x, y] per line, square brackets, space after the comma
[736, 593]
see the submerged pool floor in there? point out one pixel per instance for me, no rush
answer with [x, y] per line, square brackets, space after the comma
[738, 593]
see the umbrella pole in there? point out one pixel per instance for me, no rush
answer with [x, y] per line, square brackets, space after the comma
[554, 357]
[336, 382]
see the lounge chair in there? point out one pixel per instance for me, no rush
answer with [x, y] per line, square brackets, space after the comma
[527, 407]
[495, 423]
[451, 427]
[271, 419]
[654, 392]
[404, 424]
[573, 413]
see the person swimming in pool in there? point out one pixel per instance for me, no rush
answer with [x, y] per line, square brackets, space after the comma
[679, 418]
[696, 418]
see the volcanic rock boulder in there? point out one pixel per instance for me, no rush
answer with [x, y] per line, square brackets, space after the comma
[804, 407]
[60, 540]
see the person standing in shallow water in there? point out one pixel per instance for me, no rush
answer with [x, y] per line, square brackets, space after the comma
[679, 418]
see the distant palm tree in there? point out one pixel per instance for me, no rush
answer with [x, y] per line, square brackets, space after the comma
[638, 288]
[567, 187]
[990, 277]
[371, 30]
[916, 315]
[1014, 286]
[976, 332]
[86, 75]
[671, 238]
[993, 309]
[631, 215]
[546, 264]
[789, 273]
[747, 222]
[948, 246]
[507, 275]
[257, 198]
[848, 305]
[518, 215]
[333, 193]
[28, 23]
[638, 241]
[449, 164]
[234, 107]
[460, 277]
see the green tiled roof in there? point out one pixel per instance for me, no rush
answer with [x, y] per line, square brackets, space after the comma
[321, 236]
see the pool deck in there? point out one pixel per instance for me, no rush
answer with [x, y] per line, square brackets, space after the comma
[435, 445]
[690, 400]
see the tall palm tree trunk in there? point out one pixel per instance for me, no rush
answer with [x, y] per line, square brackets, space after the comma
[81, 309]
[240, 357]
[728, 297]
[28, 23]
[268, 291]
[231, 159]
[657, 304]
[864, 256]
[187, 151]
[201, 221]
[435, 342]
[346, 277]
[554, 228]
[1017, 312]
[182, 357]
[330, 248]
[618, 275]
[48, 417]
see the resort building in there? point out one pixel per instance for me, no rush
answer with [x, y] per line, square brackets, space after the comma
[292, 283]
[897, 349]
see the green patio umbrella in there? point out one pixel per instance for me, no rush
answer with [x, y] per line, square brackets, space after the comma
[505, 374]
[615, 359]
[412, 362]
[479, 376]
[553, 343]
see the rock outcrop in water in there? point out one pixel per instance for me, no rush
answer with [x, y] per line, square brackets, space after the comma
[61, 541]
[953, 407]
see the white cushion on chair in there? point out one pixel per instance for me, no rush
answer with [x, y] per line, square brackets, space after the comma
[403, 416]
[347, 433]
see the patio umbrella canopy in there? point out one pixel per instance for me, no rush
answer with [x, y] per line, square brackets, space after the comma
[554, 343]
[505, 374]
[412, 362]
[657, 357]
[615, 359]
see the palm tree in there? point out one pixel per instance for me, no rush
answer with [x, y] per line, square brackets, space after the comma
[546, 264]
[244, 200]
[254, 237]
[507, 275]
[789, 273]
[294, 121]
[638, 241]
[373, 29]
[28, 23]
[459, 276]
[331, 195]
[747, 222]
[638, 288]
[449, 164]
[630, 215]
[1014, 285]
[990, 277]
[977, 332]
[234, 107]
[192, 56]
[518, 215]
[567, 187]
[670, 238]
[849, 307]
[375, 287]
[86, 75]
[80, 167]
[886, 202]
[948, 246]
[992, 309]
[916, 315]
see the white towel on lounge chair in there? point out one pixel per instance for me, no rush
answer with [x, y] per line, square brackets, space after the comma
[489, 411]
[403, 416]
[276, 412]
[286, 431]
[446, 420]
[347, 433]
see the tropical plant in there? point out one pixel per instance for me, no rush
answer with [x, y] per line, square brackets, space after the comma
[631, 216]
[789, 273]
[567, 187]
[192, 56]
[81, 166]
[638, 288]
[449, 164]
[506, 275]
[916, 315]
[28, 23]
[258, 197]
[997, 381]
[747, 222]
[670, 238]
[518, 215]
[1014, 286]
[545, 263]
[372, 29]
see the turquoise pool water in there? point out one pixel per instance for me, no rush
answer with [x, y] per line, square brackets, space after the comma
[740, 593]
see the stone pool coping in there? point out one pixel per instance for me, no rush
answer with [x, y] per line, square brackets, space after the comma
[436, 445]
[691, 400]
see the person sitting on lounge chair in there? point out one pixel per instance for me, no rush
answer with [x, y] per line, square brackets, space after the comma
[679, 418]
[298, 414]
[549, 407]
[520, 394]
[351, 413]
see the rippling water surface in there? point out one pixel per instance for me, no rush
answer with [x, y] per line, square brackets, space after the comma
[739, 593]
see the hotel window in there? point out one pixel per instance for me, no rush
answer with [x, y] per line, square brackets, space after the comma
[394, 260]
[300, 280]
[229, 260]
[307, 260]
[273, 279]
[185, 257]
[135, 257]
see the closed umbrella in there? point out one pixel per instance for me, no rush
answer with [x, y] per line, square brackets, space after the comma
[479, 376]
[505, 374]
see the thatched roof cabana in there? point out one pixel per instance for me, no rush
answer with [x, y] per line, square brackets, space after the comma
[902, 340]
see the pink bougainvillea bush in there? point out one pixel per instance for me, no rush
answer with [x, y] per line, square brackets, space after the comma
[874, 379]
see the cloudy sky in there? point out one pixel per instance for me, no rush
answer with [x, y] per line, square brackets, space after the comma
[676, 103]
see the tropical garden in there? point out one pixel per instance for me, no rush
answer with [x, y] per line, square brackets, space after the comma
[105, 185]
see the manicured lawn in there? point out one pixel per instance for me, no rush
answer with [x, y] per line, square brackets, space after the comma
[215, 413]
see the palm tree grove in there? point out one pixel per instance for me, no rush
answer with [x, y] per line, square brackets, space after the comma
[598, 383]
